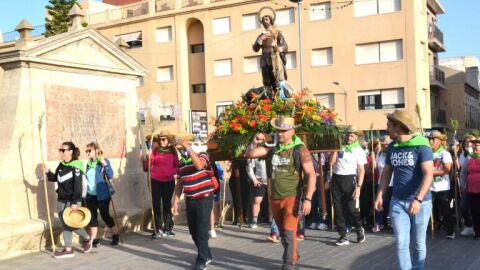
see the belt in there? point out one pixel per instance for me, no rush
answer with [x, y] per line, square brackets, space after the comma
[199, 197]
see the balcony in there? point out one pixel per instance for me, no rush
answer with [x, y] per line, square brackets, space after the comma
[435, 39]
[437, 78]
[439, 117]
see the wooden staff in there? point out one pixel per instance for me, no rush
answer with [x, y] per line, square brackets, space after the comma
[239, 194]
[149, 180]
[108, 183]
[331, 198]
[224, 207]
[419, 119]
[40, 136]
[140, 136]
[322, 186]
[454, 124]
[372, 154]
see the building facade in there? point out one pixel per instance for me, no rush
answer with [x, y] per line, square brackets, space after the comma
[364, 58]
[461, 101]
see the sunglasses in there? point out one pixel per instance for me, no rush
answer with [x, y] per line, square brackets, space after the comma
[163, 139]
[88, 151]
[62, 150]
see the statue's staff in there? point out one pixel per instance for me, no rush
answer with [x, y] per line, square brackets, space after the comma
[40, 136]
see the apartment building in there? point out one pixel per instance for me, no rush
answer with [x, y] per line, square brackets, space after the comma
[462, 99]
[363, 58]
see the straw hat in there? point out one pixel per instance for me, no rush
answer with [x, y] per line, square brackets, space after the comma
[438, 135]
[354, 130]
[78, 218]
[158, 133]
[180, 137]
[404, 119]
[282, 122]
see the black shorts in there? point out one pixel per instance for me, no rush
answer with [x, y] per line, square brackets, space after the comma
[259, 191]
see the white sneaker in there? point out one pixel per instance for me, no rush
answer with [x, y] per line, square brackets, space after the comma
[212, 234]
[322, 226]
[313, 226]
[467, 231]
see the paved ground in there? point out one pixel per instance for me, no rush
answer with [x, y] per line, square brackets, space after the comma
[248, 250]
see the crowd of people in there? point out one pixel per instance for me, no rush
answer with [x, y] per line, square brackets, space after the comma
[399, 183]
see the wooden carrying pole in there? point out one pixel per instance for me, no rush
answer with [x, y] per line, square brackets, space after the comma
[40, 136]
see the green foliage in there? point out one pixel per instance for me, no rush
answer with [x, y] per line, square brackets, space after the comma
[59, 20]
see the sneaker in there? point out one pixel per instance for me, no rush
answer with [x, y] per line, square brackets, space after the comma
[87, 245]
[376, 228]
[467, 231]
[96, 243]
[115, 239]
[361, 235]
[273, 237]
[253, 225]
[156, 235]
[300, 237]
[322, 226]
[313, 226]
[200, 266]
[168, 234]
[209, 261]
[218, 225]
[64, 254]
[342, 241]
[450, 236]
[212, 234]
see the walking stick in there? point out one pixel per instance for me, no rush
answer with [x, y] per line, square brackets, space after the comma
[108, 183]
[331, 197]
[373, 173]
[322, 186]
[149, 180]
[140, 136]
[454, 125]
[239, 194]
[40, 135]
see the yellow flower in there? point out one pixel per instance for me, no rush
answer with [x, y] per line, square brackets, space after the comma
[315, 117]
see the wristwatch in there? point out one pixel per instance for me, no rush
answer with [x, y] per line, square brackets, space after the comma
[307, 199]
[418, 200]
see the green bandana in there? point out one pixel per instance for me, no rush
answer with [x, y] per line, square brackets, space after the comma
[295, 141]
[349, 147]
[440, 149]
[74, 164]
[415, 141]
[92, 164]
[475, 156]
[163, 150]
[185, 161]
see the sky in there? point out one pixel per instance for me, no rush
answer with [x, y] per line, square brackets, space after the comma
[460, 24]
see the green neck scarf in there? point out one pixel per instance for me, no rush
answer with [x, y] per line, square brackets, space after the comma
[440, 149]
[414, 141]
[185, 161]
[475, 156]
[92, 164]
[295, 141]
[74, 164]
[349, 147]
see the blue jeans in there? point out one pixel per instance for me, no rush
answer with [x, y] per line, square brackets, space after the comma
[406, 226]
[274, 228]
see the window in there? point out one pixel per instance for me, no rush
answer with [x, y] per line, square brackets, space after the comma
[199, 88]
[134, 40]
[373, 7]
[221, 26]
[222, 67]
[197, 48]
[322, 57]
[326, 100]
[291, 60]
[221, 106]
[163, 34]
[285, 17]
[320, 11]
[381, 99]
[379, 52]
[251, 64]
[165, 74]
[250, 22]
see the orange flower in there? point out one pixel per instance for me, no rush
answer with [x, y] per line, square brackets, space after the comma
[266, 108]
[263, 118]
[252, 123]
[236, 127]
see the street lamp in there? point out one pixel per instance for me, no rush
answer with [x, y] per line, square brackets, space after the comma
[344, 100]
[299, 8]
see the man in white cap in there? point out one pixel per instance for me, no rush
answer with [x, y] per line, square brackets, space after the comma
[287, 161]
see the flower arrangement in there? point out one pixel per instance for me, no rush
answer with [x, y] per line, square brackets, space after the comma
[238, 125]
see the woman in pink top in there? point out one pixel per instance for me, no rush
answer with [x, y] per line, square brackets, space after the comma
[473, 185]
[163, 162]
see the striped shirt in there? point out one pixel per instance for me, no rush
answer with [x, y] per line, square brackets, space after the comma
[196, 183]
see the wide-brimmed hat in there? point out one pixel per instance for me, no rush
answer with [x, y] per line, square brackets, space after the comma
[158, 133]
[354, 130]
[438, 135]
[282, 122]
[76, 218]
[182, 136]
[404, 119]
